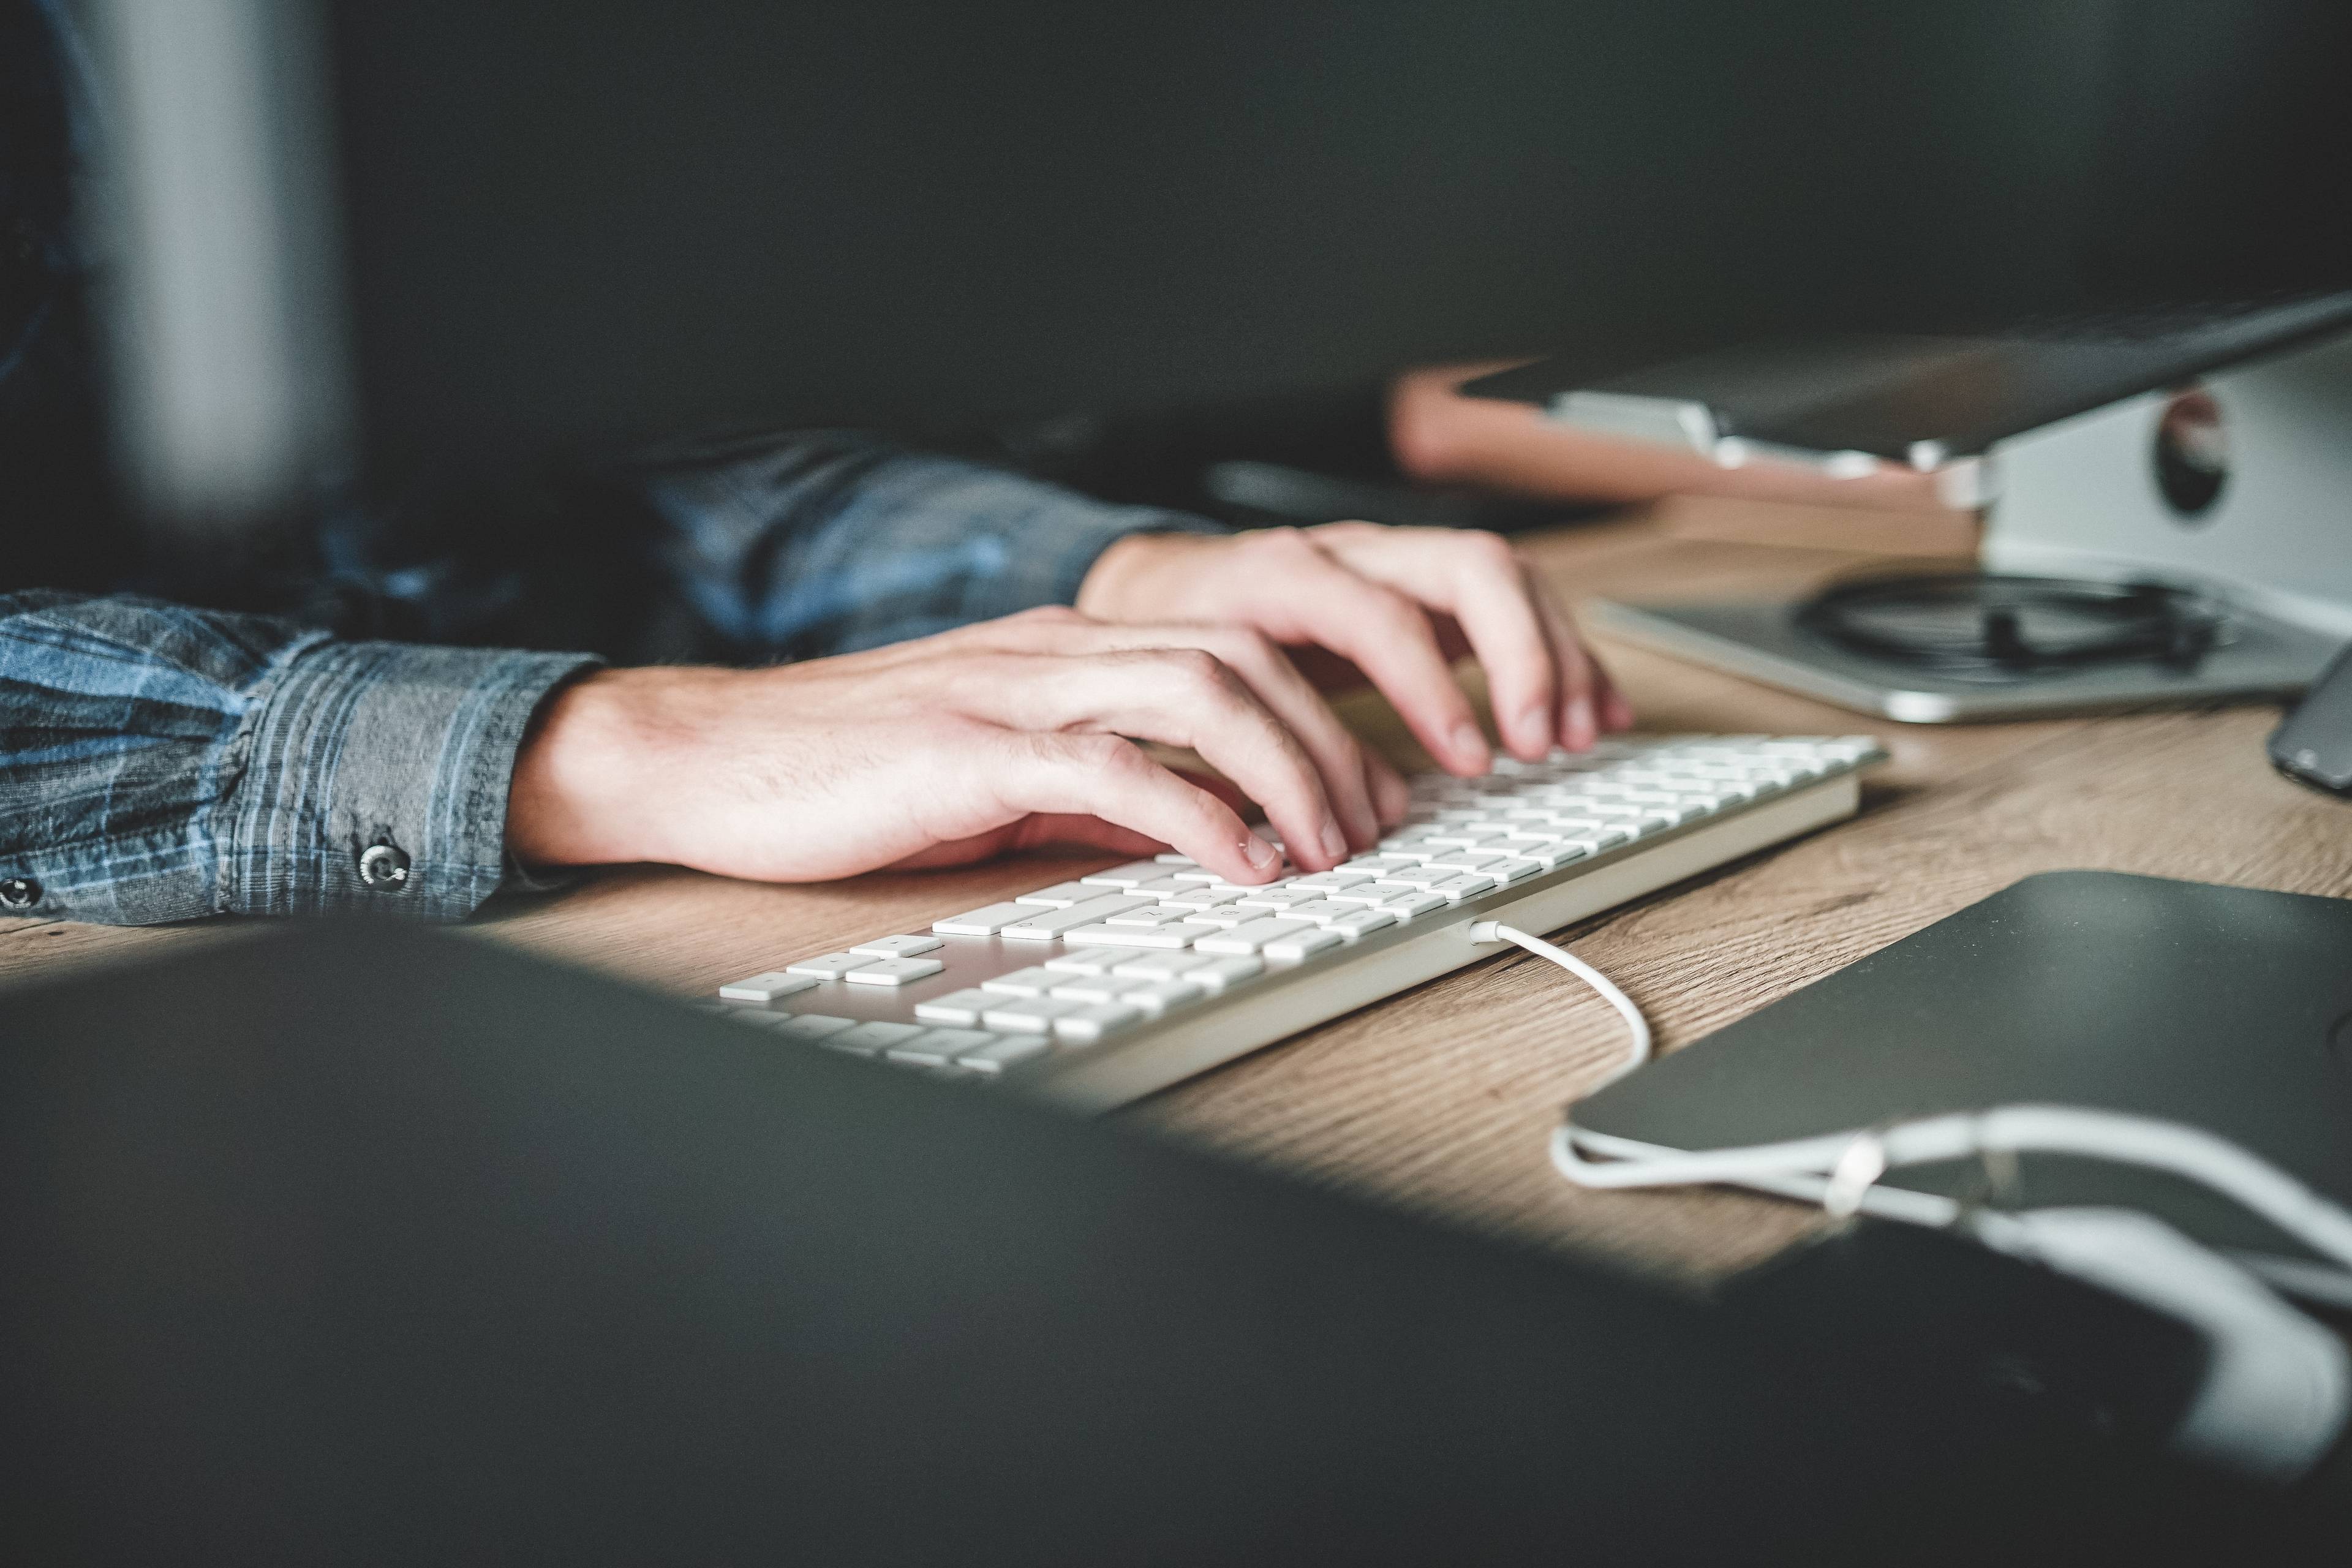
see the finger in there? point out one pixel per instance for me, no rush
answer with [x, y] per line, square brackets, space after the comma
[1392, 796]
[1479, 581]
[1579, 717]
[1040, 830]
[1389, 637]
[1272, 677]
[1182, 697]
[1610, 711]
[1105, 777]
[1276, 681]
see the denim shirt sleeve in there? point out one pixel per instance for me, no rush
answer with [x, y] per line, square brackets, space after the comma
[821, 542]
[159, 762]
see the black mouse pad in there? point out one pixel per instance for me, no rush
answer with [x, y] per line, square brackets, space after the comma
[2225, 1008]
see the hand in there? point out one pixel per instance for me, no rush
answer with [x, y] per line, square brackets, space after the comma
[999, 736]
[1399, 606]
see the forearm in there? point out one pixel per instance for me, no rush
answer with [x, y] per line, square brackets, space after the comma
[824, 543]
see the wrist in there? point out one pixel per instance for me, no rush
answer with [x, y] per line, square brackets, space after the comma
[1110, 590]
[592, 767]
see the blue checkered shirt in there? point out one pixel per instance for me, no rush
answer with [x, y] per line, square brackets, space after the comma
[161, 763]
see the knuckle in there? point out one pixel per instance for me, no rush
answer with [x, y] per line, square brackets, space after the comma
[1248, 646]
[1049, 619]
[1282, 543]
[1489, 549]
[1105, 754]
[1197, 672]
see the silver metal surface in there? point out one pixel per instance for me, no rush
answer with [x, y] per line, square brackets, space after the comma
[1759, 640]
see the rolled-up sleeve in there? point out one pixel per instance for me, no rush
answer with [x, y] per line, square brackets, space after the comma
[819, 542]
[159, 762]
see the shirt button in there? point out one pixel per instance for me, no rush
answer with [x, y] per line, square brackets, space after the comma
[19, 893]
[385, 867]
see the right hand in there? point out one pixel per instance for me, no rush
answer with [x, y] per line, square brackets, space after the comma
[999, 736]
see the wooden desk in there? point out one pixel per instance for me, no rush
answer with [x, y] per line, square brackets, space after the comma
[1441, 1099]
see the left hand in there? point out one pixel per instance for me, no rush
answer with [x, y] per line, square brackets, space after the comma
[1399, 606]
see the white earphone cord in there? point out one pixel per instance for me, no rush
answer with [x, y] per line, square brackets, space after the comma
[1841, 1170]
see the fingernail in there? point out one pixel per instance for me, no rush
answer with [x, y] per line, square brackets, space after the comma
[1535, 734]
[1470, 747]
[1334, 843]
[1258, 853]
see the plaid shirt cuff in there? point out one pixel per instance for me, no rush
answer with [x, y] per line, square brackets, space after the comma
[376, 779]
[159, 762]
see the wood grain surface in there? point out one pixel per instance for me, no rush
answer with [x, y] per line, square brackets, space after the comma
[1441, 1099]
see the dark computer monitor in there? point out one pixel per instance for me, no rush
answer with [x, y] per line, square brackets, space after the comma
[457, 229]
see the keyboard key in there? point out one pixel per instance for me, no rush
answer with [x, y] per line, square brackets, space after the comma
[1202, 896]
[982, 923]
[1468, 837]
[1163, 965]
[1158, 996]
[894, 972]
[1326, 882]
[1172, 858]
[1277, 898]
[955, 1007]
[1170, 937]
[766, 987]
[1301, 945]
[1412, 903]
[1150, 915]
[1045, 925]
[1134, 874]
[1223, 915]
[865, 1039]
[1033, 1016]
[1086, 961]
[1089, 988]
[1163, 887]
[813, 1026]
[1251, 935]
[1323, 911]
[1468, 886]
[1514, 868]
[897, 946]
[1009, 1050]
[1465, 860]
[1060, 896]
[831, 966]
[1224, 973]
[1090, 1024]
[937, 1047]
[1551, 856]
[1424, 877]
[1363, 894]
[1034, 981]
[1354, 925]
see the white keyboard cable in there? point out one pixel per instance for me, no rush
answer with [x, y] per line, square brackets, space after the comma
[1495, 930]
[2278, 1387]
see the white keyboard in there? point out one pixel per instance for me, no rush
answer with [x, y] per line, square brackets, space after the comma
[1098, 991]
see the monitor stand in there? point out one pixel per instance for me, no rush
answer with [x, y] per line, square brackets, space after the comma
[2235, 487]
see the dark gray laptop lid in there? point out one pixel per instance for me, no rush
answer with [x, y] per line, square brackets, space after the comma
[2225, 1008]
